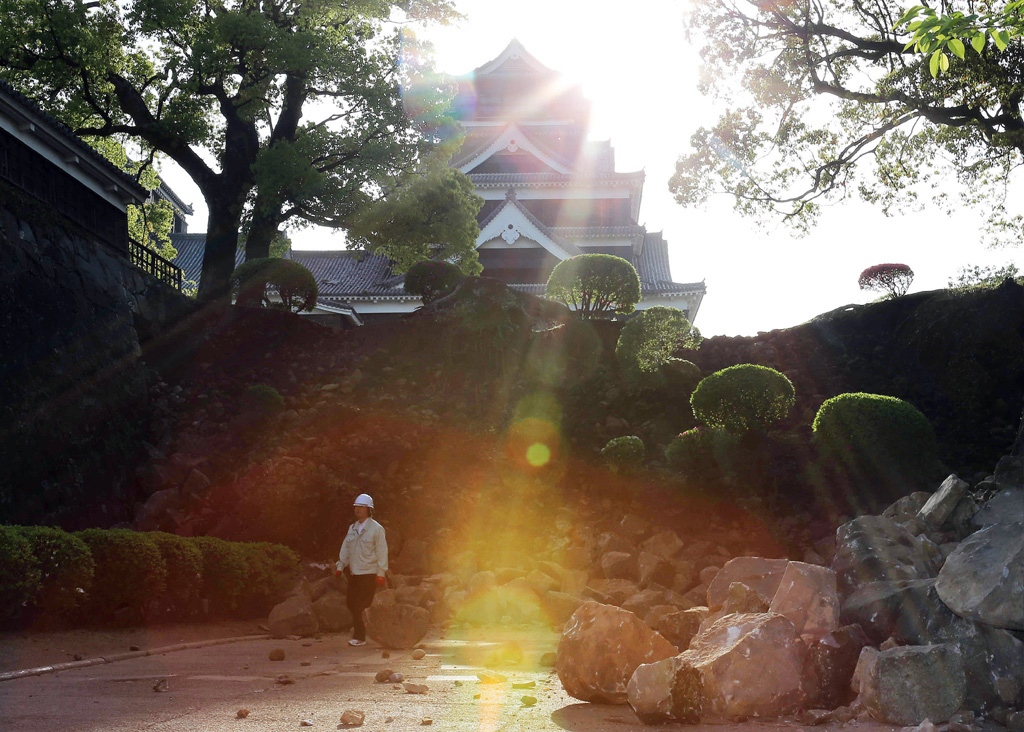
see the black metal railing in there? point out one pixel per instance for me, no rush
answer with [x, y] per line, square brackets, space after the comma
[153, 264]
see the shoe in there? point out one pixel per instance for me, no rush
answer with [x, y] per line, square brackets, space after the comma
[355, 642]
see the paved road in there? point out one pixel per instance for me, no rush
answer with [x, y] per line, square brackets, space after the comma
[207, 687]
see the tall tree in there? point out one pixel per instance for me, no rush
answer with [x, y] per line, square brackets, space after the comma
[277, 109]
[825, 101]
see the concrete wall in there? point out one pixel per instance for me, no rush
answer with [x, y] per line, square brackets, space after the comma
[73, 391]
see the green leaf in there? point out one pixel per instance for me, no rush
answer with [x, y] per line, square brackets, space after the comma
[956, 46]
[944, 62]
[933, 65]
[978, 42]
[1002, 38]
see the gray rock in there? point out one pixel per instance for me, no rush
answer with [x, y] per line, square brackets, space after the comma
[744, 599]
[906, 507]
[667, 690]
[666, 544]
[397, 625]
[332, 612]
[1005, 507]
[877, 549]
[294, 616]
[654, 568]
[155, 514]
[642, 602]
[984, 578]
[910, 684]
[829, 666]
[619, 565]
[761, 575]
[807, 595]
[941, 503]
[1009, 472]
[616, 590]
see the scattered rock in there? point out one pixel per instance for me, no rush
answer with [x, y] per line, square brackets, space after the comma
[913, 683]
[352, 718]
[528, 701]
[383, 676]
[276, 655]
[396, 678]
[411, 688]
[426, 721]
[306, 723]
[524, 685]
[489, 677]
[133, 648]
[160, 686]
[242, 713]
[418, 654]
[385, 654]
[547, 660]
[397, 625]
[284, 680]
[599, 650]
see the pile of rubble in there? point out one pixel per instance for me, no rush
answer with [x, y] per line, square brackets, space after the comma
[919, 617]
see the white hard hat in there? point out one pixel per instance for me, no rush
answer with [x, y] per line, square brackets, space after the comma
[363, 499]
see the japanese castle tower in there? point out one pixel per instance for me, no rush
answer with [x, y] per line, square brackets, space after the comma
[550, 194]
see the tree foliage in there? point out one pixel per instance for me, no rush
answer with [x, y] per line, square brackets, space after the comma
[595, 285]
[892, 280]
[648, 341]
[255, 282]
[432, 280]
[988, 276]
[279, 111]
[824, 103]
[941, 35]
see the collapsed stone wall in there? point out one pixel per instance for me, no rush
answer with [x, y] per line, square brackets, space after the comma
[72, 388]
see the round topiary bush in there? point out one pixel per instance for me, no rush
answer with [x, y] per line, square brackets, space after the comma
[703, 453]
[624, 453]
[225, 572]
[432, 280]
[743, 397]
[255, 283]
[66, 567]
[875, 437]
[19, 573]
[595, 285]
[130, 572]
[261, 401]
[184, 564]
[648, 341]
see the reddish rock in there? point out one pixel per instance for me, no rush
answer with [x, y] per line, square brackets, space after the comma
[761, 575]
[807, 595]
[395, 625]
[601, 647]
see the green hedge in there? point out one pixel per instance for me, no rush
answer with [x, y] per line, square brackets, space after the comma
[130, 572]
[67, 568]
[875, 437]
[703, 453]
[743, 397]
[624, 453]
[19, 573]
[647, 342]
[51, 575]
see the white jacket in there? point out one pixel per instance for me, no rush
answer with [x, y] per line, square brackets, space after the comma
[364, 552]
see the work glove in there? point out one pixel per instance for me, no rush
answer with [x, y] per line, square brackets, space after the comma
[380, 581]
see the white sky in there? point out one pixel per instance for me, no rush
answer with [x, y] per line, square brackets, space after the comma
[640, 73]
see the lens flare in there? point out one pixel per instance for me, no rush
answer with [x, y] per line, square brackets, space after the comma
[538, 454]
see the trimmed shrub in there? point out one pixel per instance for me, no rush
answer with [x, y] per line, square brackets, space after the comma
[66, 566]
[253, 282]
[225, 572]
[431, 280]
[19, 573]
[261, 401]
[184, 564]
[703, 453]
[892, 280]
[647, 343]
[595, 285]
[681, 376]
[624, 453]
[272, 570]
[875, 437]
[743, 397]
[130, 572]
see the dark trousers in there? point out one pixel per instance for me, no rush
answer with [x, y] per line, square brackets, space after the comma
[360, 596]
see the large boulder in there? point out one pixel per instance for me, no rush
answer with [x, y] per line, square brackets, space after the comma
[891, 609]
[397, 625]
[332, 612]
[666, 690]
[829, 666]
[877, 549]
[749, 666]
[156, 512]
[1005, 507]
[807, 595]
[654, 568]
[910, 684]
[679, 628]
[666, 544]
[619, 565]
[761, 575]
[294, 616]
[560, 606]
[600, 648]
[983, 579]
[616, 590]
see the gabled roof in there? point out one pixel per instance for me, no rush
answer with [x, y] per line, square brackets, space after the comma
[512, 220]
[655, 273]
[351, 274]
[17, 105]
[168, 193]
[515, 59]
[189, 258]
[513, 138]
[557, 180]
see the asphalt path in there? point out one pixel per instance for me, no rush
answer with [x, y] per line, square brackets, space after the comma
[317, 681]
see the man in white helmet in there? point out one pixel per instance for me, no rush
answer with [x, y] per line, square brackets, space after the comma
[364, 560]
